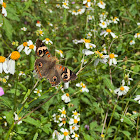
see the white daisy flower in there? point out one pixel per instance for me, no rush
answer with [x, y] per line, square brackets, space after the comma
[24, 29]
[132, 42]
[57, 135]
[103, 16]
[137, 35]
[87, 52]
[127, 79]
[101, 4]
[17, 118]
[60, 52]
[65, 98]
[108, 31]
[20, 47]
[73, 128]
[56, 118]
[4, 12]
[65, 4]
[15, 55]
[73, 12]
[48, 41]
[89, 17]
[84, 61]
[89, 35]
[75, 136]
[74, 120]
[122, 90]
[84, 88]
[103, 24]
[101, 58]
[38, 23]
[87, 43]
[81, 11]
[40, 32]
[88, 2]
[38, 92]
[58, 6]
[104, 50]
[137, 98]
[108, 21]
[75, 113]
[65, 134]
[21, 73]
[30, 48]
[63, 121]
[115, 20]
[112, 58]
[3, 64]
[50, 24]
[63, 111]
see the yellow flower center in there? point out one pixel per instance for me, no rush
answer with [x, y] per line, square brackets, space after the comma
[111, 56]
[65, 133]
[102, 135]
[2, 59]
[75, 113]
[38, 91]
[15, 55]
[84, 86]
[65, 3]
[103, 13]
[88, 0]
[79, 10]
[31, 46]
[73, 127]
[19, 118]
[115, 17]
[131, 41]
[67, 94]
[25, 44]
[73, 11]
[87, 40]
[101, 2]
[138, 34]
[75, 121]
[41, 32]
[101, 55]
[47, 39]
[60, 51]
[13, 43]
[76, 135]
[103, 23]
[4, 80]
[64, 122]
[108, 30]
[63, 112]
[4, 4]
[122, 88]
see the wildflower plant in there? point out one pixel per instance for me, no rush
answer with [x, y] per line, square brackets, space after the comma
[97, 40]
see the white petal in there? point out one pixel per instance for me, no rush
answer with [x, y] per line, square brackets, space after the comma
[110, 62]
[78, 85]
[0, 67]
[66, 85]
[5, 67]
[19, 48]
[114, 61]
[87, 45]
[4, 12]
[96, 62]
[87, 52]
[28, 51]
[113, 35]
[106, 33]
[11, 66]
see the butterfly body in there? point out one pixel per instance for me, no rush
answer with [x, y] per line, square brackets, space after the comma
[46, 66]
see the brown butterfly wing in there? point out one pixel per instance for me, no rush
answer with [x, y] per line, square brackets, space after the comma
[42, 50]
[47, 69]
[65, 73]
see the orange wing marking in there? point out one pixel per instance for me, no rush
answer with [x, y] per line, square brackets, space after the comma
[49, 55]
[39, 71]
[63, 68]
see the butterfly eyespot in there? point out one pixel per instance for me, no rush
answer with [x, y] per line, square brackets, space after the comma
[65, 76]
[40, 64]
[54, 78]
[40, 52]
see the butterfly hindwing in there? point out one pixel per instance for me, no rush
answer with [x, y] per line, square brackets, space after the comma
[65, 73]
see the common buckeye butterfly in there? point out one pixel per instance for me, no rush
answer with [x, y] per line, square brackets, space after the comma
[46, 66]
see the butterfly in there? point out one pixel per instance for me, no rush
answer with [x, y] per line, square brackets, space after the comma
[46, 66]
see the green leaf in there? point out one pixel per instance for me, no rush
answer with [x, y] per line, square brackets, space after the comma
[107, 83]
[32, 121]
[126, 133]
[87, 137]
[8, 28]
[35, 136]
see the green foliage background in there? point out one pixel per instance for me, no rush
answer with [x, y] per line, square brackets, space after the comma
[93, 106]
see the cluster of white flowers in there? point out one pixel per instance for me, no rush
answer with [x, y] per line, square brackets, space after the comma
[83, 87]
[62, 119]
[4, 12]
[27, 47]
[77, 12]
